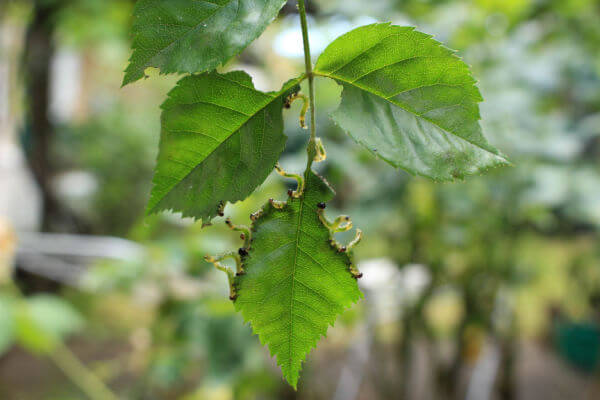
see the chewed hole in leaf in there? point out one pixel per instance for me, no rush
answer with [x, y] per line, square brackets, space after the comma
[295, 283]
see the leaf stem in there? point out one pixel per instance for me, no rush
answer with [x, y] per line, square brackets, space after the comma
[70, 365]
[312, 151]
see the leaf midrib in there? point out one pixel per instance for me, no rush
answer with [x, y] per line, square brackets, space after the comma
[192, 29]
[220, 143]
[366, 89]
[295, 263]
[362, 52]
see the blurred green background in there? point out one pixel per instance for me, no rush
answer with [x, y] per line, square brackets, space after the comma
[483, 289]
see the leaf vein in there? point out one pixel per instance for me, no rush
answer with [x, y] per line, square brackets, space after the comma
[408, 110]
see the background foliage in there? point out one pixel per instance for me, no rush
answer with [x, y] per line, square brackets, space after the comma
[509, 258]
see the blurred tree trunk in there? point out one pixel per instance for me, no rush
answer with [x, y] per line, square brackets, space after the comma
[507, 384]
[406, 356]
[450, 377]
[38, 53]
[508, 343]
[414, 326]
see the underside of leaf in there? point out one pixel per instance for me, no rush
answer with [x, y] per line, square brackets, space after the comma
[295, 282]
[410, 101]
[192, 36]
[220, 140]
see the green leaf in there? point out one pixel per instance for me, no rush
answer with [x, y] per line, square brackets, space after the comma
[220, 139]
[191, 36]
[54, 316]
[295, 283]
[43, 320]
[410, 101]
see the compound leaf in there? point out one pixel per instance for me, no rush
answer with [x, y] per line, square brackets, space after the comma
[410, 101]
[220, 139]
[295, 283]
[191, 36]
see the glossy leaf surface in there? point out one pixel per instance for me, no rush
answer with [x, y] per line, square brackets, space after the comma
[220, 139]
[410, 101]
[192, 36]
[296, 283]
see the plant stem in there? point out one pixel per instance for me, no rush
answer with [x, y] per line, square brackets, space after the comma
[93, 387]
[312, 151]
[69, 364]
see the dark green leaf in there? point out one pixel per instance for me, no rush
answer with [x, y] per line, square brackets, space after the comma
[410, 101]
[191, 36]
[296, 283]
[220, 139]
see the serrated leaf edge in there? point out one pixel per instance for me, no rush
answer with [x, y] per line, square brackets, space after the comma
[502, 160]
[135, 46]
[267, 209]
[274, 95]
